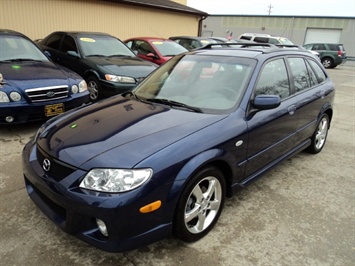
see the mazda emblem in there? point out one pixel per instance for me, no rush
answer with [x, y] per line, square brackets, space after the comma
[46, 165]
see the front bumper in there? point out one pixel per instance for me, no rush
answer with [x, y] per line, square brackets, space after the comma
[75, 210]
[113, 88]
[24, 112]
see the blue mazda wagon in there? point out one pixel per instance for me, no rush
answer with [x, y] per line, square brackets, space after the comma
[31, 86]
[160, 160]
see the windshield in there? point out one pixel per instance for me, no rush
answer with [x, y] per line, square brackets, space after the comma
[167, 48]
[19, 48]
[210, 83]
[103, 46]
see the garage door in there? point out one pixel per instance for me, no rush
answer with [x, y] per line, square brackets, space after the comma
[322, 35]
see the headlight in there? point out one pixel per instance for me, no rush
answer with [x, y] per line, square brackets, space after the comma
[83, 86]
[115, 180]
[120, 79]
[15, 96]
[3, 97]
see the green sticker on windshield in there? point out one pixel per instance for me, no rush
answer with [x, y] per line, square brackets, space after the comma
[16, 66]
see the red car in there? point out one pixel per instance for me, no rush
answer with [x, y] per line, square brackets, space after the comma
[156, 50]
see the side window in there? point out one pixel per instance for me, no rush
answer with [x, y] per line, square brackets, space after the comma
[300, 75]
[69, 44]
[129, 44]
[273, 80]
[318, 71]
[54, 41]
[261, 39]
[312, 75]
[318, 47]
[145, 48]
[245, 38]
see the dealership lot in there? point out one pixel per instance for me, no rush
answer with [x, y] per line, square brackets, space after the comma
[301, 213]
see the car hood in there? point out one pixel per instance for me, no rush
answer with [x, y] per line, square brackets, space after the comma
[25, 75]
[125, 66]
[133, 130]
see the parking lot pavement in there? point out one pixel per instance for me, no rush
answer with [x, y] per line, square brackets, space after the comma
[301, 213]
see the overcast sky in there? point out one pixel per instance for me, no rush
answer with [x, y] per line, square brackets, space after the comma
[337, 8]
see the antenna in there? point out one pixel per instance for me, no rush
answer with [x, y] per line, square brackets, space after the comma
[269, 7]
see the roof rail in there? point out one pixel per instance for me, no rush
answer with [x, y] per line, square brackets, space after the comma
[240, 44]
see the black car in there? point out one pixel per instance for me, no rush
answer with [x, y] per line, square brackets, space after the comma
[161, 159]
[107, 64]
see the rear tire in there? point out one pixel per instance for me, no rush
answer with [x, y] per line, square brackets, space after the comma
[320, 135]
[200, 205]
[328, 62]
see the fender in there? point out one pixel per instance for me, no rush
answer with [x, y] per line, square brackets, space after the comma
[193, 165]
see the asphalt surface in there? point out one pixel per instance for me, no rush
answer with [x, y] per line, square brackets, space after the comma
[301, 213]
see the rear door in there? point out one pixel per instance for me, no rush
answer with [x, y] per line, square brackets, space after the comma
[271, 132]
[312, 89]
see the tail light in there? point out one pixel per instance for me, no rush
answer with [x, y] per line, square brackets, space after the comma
[340, 53]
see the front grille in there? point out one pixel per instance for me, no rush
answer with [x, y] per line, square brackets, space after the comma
[58, 170]
[48, 93]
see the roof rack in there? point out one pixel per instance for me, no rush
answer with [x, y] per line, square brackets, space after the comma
[241, 44]
[270, 47]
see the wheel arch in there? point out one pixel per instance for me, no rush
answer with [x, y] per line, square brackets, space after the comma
[213, 158]
[91, 72]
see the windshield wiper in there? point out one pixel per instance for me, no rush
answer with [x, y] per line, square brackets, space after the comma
[21, 60]
[98, 55]
[174, 103]
[119, 55]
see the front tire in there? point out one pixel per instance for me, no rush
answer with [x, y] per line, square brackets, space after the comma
[320, 135]
[200, 205]
[94, 88]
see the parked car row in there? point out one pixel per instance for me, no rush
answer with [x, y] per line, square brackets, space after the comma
[107, 65]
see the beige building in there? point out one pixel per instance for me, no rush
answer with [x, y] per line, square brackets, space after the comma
[121, 18]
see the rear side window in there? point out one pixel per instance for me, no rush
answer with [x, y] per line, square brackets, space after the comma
[333, 47]
[273, 80]
[318, 71]
[54, 41]
[300, 76]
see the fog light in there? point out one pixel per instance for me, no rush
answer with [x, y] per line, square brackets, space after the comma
[102, 227]
[9, 119]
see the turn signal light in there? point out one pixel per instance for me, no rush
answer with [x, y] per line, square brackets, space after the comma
[150, 207]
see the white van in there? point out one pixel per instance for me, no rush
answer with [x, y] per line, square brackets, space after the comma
[265, 38]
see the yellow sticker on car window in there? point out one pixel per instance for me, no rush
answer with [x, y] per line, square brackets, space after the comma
[87, 40]
[157, 42]
[205, 41]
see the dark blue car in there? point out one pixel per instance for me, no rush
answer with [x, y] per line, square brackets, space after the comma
[31, 86]
[161, 159]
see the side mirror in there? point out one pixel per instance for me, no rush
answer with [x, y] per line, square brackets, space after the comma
[73, 53]
[152, 55]
[266, 102]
